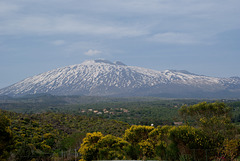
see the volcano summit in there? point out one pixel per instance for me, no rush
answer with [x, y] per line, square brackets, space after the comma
[105, 78]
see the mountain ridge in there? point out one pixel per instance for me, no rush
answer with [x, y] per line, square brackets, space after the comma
[105, 78]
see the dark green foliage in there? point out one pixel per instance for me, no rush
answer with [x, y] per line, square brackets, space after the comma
[24, 153]
[138, 111]
[133, 152]
[55, 126]
[210, 137]
[172, 152]
[6, 136]
[212, 129]
[41, 135]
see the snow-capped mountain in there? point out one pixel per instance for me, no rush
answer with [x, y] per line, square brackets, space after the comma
[105, 78]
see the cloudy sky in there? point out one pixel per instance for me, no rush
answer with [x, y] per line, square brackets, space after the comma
[201, 36]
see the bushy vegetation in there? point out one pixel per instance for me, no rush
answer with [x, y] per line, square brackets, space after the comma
[211, 137]
[6, 137]
[47, 134]
[51, 128]
[134, 111]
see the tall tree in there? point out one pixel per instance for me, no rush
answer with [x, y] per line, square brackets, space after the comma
[213, 122]
[212, 118]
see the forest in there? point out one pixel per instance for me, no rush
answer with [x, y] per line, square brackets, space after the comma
[74, 128]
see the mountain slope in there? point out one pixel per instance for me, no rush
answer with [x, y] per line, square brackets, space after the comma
[104, 78]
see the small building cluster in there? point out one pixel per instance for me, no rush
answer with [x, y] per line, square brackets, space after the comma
[111, 111]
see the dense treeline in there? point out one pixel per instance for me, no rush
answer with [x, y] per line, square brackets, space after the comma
[137, 111]
[45, 135]
[51, 129]
[209, 136]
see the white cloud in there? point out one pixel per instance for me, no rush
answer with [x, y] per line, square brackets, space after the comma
[117, 19]
[174, 38]
[120, 19]
[67, 24]
[7, 8]
[91, 52]
[58, 42]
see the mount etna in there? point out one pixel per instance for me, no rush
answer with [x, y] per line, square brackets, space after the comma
[105, 78]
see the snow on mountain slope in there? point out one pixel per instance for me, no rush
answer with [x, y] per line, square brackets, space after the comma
[102, 77]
